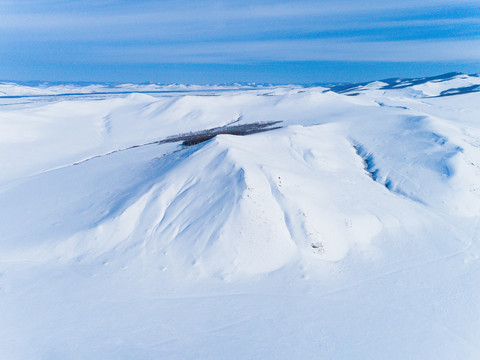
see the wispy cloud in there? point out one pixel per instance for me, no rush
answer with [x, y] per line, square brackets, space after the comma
[297, 50]
[227, 31]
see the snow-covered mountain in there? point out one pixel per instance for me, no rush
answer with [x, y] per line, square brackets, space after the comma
[350, 232]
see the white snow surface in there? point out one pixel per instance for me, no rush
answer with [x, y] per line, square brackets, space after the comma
[352, 232]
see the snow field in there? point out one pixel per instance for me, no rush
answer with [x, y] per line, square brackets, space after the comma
[350, 233]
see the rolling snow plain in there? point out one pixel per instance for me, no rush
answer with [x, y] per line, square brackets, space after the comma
[350, 232]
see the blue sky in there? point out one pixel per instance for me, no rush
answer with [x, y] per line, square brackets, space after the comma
[226, 41]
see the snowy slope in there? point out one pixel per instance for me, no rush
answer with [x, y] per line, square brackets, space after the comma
[350, 233]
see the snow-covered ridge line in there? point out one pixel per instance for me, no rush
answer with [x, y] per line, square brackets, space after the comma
[14, 90]
[442, 85]
[196, 137]
[435, 86]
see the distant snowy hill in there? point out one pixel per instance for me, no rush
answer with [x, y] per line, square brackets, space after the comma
[9, 89]
[351, 232]
[442, 85]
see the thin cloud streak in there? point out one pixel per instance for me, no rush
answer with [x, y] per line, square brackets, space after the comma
[300, 50]
[19, 18]
[169, 27]
[347, 49]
